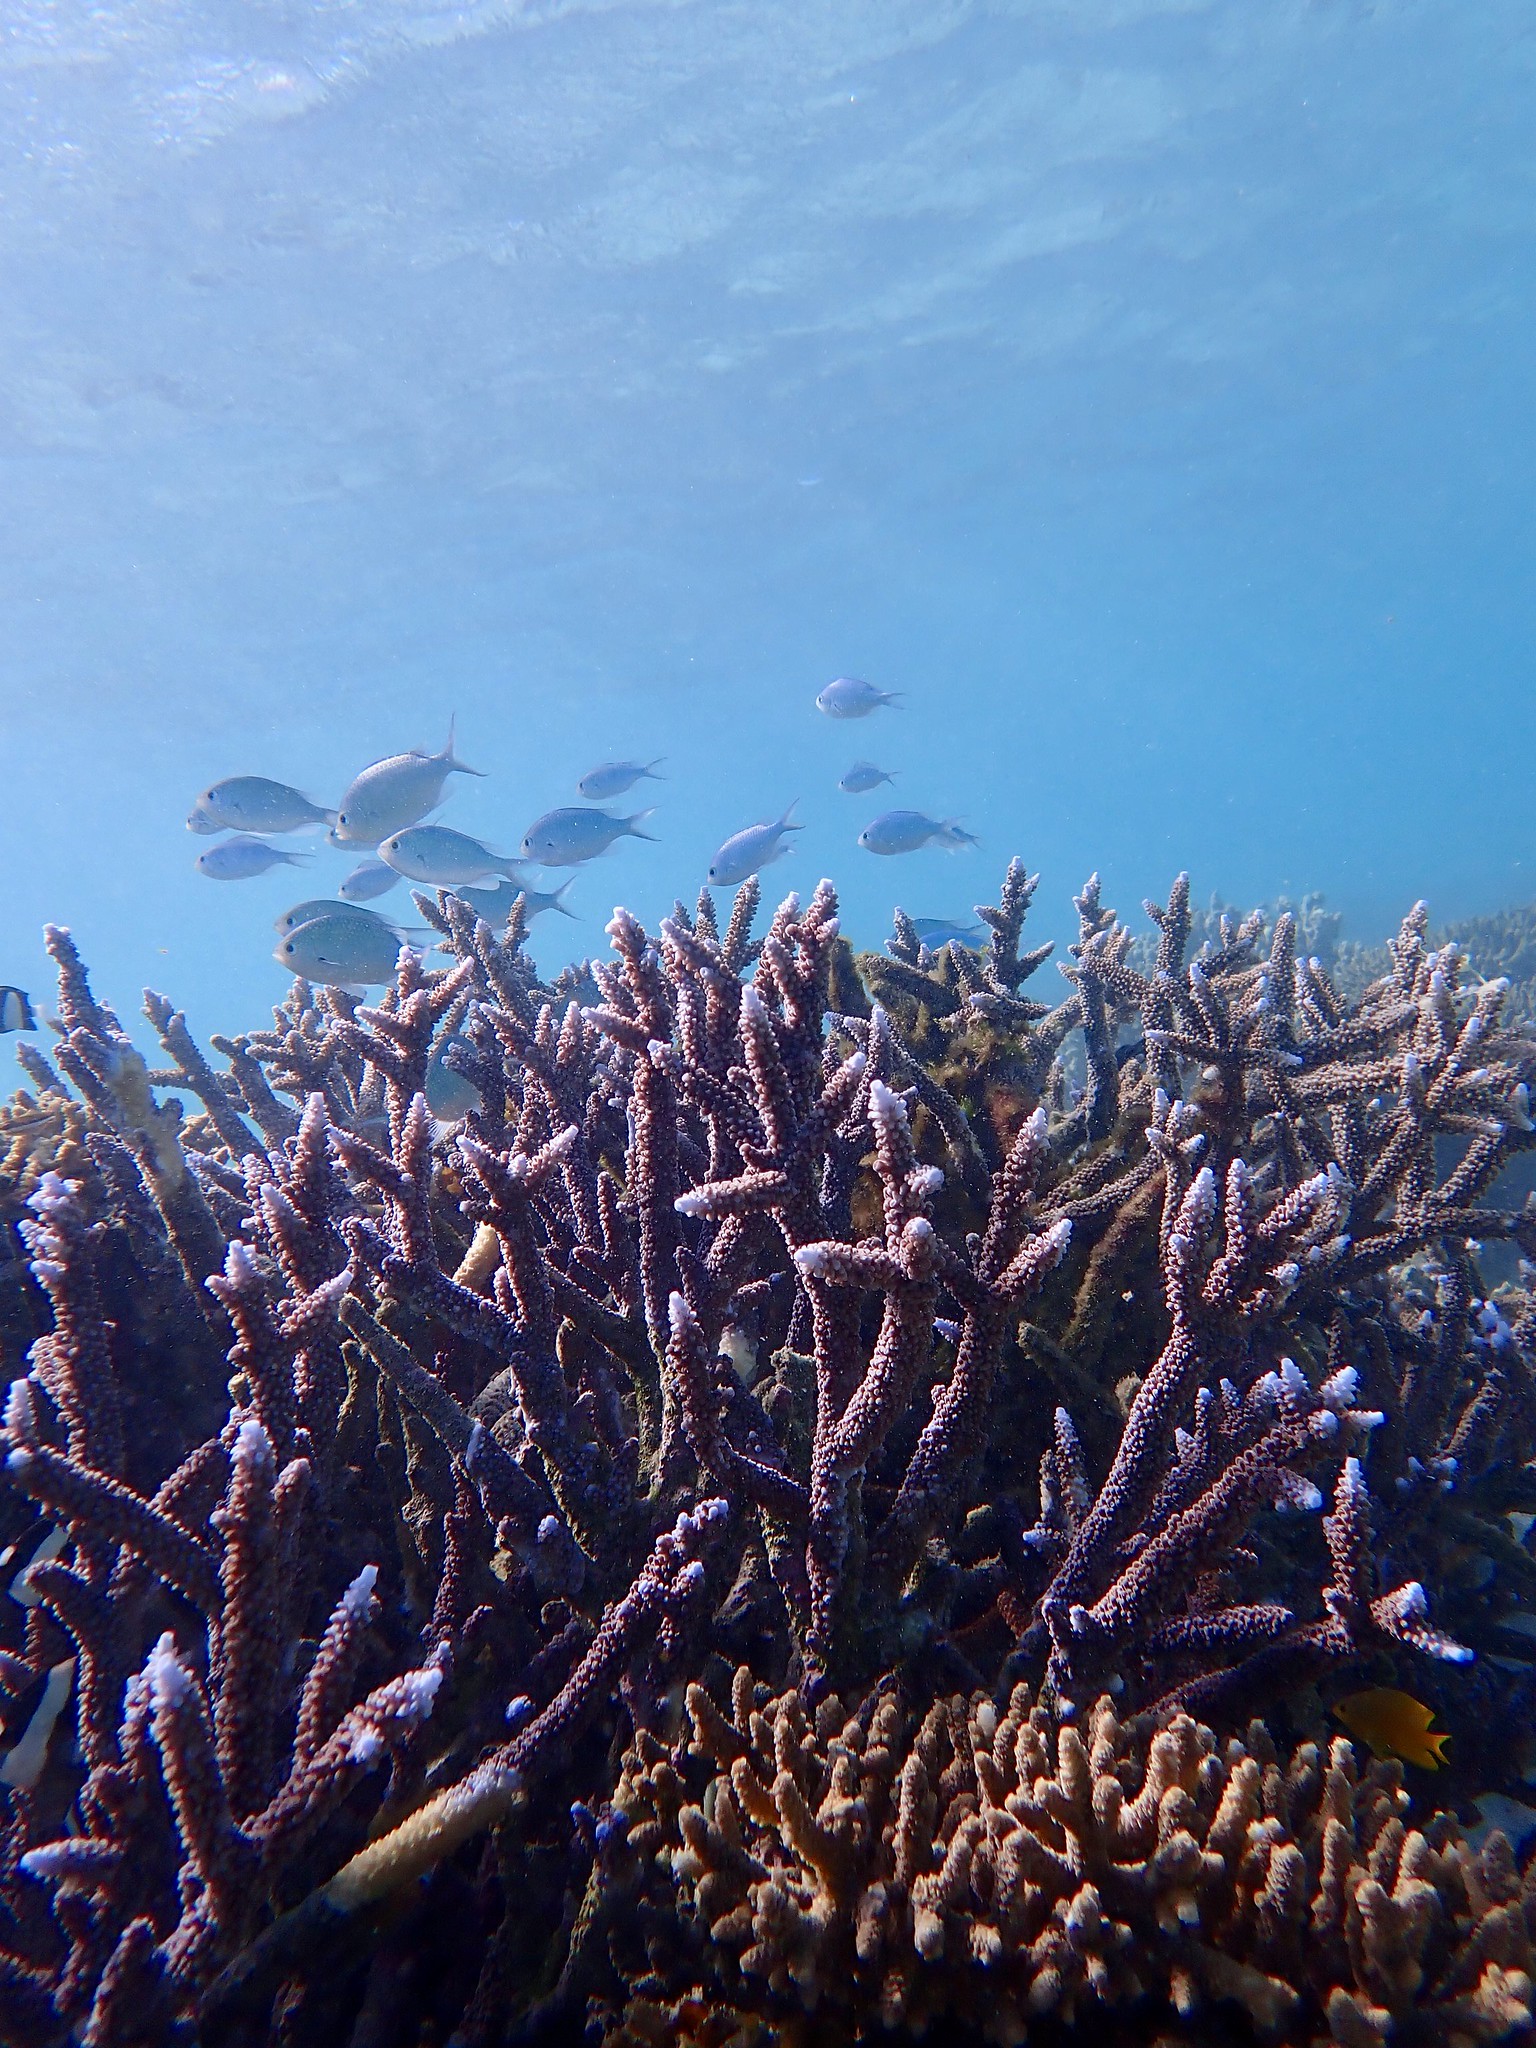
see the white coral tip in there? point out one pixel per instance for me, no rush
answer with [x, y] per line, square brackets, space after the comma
[240, 1268]
[421, 1689]
[169, 1680]
[1339, 1389]
[885, 1106]
[252, 1450]
[21, 1411]
[357, 1602]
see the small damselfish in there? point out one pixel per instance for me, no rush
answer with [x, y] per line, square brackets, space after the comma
[1394, 1724]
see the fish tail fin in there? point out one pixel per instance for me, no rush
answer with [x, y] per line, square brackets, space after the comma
[632, 825]
[559, 895]
[786, 822]
[652, 766]
[16, 1013]
[955, 835]
[450, 760]
[896, 697]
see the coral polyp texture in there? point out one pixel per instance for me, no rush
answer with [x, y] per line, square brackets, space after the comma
[835, 1505]
[998, 1867]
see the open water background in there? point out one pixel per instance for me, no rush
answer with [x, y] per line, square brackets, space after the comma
[1142, 386]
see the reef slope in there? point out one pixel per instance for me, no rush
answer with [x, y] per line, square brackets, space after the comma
[834, 1506]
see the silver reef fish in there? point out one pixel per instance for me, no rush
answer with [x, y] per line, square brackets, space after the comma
[236, 860]
[745, 852]
[448, 1094]
[16, 1012]
[368, 879]
[438, 854]
[849, 697]
[494, 904]
[939, 931]
[612, 778]
[394, 793]
[906, 831]
[352, 946]
[253, 803]
[567, 837]
[537, 901]
[863, 776]
[324, 906]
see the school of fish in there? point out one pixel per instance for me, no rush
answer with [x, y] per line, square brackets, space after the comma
[385, 820]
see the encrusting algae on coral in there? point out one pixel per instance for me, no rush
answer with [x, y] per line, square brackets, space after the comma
[777, 1526]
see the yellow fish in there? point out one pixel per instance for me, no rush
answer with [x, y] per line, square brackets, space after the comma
[1394, 1724]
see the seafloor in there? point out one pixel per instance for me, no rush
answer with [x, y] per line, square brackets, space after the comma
[842, 1503]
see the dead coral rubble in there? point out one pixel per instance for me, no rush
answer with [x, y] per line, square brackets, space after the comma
[995, 1868]
[374, 1484]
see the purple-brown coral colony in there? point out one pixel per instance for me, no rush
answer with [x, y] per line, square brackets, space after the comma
[835, 1506]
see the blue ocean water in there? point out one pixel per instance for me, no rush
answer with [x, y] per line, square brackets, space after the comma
[1142, 387]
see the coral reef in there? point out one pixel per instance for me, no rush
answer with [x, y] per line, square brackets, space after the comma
[394, 1501]
[1501, 945]
[998, 1867]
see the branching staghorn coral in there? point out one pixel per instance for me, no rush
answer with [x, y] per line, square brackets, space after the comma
[994, 1866]
[1502, 946]
[940, 1342]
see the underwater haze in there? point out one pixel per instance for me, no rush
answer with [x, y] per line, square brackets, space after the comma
[1140, 390]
